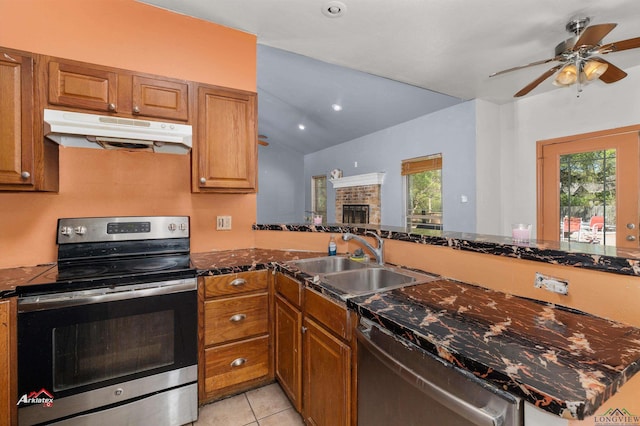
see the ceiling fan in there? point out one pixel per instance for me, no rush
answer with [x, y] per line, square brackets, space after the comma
[578, 57]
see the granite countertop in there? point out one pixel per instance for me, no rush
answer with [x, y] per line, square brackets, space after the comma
[561, 360]
[232, 261]
[11, 278]
[209, 263]
[582, 255]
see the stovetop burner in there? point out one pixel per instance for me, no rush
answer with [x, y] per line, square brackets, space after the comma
[130, 266]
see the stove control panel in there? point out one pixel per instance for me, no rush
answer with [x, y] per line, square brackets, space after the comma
[127, 228]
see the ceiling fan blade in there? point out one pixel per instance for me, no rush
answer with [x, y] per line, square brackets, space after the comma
[612, 74]
[617, 46]
[544, 61]
[592, 35]
[537, 81]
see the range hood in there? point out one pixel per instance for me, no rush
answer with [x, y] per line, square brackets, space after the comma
[106, 132]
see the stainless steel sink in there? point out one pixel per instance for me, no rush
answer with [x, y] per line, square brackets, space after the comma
[369, 280]
[325, 265]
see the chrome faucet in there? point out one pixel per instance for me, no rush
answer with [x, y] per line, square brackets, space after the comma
[377, 252]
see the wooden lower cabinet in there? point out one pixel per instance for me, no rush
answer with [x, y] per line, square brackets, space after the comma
[288, 350]
[235, 348]
[314, 354]
[8, 362]
[326, 371]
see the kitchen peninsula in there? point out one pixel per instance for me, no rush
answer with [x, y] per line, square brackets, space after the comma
[519, 343]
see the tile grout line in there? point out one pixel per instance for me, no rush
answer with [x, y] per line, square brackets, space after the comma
[255, 418]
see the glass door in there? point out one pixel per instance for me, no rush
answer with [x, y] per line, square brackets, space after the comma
[588, 189]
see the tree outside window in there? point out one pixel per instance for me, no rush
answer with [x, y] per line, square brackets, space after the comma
[424, 193]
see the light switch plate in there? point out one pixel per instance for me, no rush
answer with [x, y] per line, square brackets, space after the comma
[223, 223]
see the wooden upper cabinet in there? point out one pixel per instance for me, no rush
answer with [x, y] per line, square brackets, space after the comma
[26, 162]
[154, 97]
[103, 89]
[16, 118]
[82, 86]
[226, 152]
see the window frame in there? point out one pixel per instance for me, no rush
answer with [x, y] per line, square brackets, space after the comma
[417, 165]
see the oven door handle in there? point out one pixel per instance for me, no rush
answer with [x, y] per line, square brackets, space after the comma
[103, 295]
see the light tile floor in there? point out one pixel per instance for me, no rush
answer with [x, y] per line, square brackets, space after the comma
[265, 406]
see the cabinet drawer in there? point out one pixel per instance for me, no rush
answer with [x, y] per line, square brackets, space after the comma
[235, 318]
[290, 289]
[235, 363]
[335, 317]
[225, 285]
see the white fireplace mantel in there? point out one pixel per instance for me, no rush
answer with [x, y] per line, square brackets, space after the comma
[359, 180]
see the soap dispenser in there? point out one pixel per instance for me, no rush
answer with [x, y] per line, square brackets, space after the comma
[333, 248]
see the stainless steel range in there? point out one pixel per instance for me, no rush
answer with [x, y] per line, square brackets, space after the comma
[110, 335]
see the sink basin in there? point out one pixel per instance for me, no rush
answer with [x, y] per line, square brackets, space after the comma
[368, 280]
[325, 265]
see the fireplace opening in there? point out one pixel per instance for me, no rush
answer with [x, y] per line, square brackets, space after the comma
[355, 213]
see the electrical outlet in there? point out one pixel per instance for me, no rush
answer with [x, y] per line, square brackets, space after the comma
[553, 284]
[223, 223]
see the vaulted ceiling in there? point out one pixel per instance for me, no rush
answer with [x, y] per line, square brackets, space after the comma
[386, 62]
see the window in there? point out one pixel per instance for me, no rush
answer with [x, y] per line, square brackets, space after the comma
[319, 196]
[423, 178]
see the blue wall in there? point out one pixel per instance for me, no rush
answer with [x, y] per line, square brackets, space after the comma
[450, 131]
[281, 185]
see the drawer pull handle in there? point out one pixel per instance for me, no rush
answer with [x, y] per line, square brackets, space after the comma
[238, 282]
[237, 317]
[238, 362]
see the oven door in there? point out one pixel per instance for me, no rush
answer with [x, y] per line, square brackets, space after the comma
[78, 351]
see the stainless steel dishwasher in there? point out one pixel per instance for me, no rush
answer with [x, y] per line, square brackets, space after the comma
[401, 384]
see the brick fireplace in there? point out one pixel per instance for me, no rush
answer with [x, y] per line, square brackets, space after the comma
[361, 195]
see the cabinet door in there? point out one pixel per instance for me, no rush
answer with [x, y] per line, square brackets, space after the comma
[8, 362]
[16, 119]
[83, 87]
[288, 351]
[326, 377]
[225, 157]
[153, 97]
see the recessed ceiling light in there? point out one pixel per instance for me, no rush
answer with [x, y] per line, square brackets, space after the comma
[334, 9]
[336, 107]
[301, 126]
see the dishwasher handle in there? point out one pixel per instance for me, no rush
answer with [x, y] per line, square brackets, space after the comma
[477, 415]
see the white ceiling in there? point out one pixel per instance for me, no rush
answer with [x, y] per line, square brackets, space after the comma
[446, 46]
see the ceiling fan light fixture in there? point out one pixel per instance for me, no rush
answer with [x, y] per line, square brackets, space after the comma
[594, 69]
[567, 76]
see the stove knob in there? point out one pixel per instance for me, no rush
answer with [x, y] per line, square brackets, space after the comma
[182, 227]
[172, 227]
[81, 230]
[66, 231]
